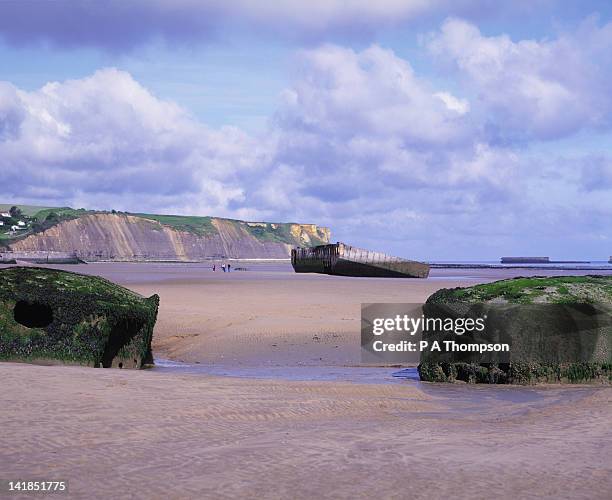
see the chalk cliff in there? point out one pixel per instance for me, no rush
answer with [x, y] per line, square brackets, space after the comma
[126, 237]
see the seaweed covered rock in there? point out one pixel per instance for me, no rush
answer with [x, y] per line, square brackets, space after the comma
[559, 329]
[52, 315]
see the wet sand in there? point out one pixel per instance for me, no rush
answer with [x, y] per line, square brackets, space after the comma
[180, 432]
[135, 434]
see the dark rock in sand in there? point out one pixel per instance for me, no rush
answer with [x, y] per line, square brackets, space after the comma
[47, 315]
[559, 330]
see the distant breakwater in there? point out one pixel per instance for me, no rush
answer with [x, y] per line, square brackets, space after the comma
[554, 267]
[40, 257]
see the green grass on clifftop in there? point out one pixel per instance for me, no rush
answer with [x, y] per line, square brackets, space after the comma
[201, 226]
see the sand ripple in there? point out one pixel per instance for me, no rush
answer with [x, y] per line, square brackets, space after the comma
[133, 434]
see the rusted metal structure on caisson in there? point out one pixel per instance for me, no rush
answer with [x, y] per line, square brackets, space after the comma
[345, 260]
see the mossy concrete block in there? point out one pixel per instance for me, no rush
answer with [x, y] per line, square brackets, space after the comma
[48, 315]
[542, 317]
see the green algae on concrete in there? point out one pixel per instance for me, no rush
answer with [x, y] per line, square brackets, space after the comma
[549, 344]
[48, 315]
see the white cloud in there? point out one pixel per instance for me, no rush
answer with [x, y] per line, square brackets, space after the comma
[461, 106]
[108, 134]
[532, 89]
[373, 93]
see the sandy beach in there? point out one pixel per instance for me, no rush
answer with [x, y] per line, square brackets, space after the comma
[173, 433]
[129, 434]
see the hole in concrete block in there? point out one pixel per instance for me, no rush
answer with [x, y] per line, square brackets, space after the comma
[32, 314]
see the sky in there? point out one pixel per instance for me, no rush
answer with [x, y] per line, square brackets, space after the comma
[429, 129]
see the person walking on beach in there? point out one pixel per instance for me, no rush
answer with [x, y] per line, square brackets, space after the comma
[214, 267]
[223, 267]
[229, 266]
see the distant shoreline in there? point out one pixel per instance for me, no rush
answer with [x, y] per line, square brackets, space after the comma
[210, 260]
[554, 267]
[433, 265]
